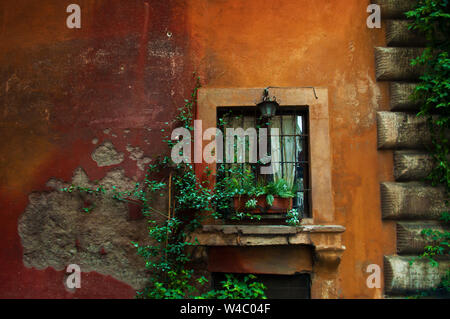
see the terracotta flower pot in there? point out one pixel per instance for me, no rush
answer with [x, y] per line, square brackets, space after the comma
[279, 205]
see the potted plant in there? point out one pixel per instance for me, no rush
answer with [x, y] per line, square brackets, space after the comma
[254, 196]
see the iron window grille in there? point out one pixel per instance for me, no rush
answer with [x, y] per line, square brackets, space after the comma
[291, 163]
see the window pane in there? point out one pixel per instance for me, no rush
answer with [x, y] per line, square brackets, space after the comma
[301, 176]
[275, 123]
[299, 124]
[288, 147]
[288, 158]
[288, 124]
[299, 203]
[302, 155]
[276, 153]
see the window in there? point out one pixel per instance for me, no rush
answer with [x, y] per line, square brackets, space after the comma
[277, 286]
[288, 148]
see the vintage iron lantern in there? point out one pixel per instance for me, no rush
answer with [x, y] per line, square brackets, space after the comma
[268, 106]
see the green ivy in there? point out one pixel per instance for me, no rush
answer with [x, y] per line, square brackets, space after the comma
[233, 288]
[293, 217]
[432, 19]
[168, 257]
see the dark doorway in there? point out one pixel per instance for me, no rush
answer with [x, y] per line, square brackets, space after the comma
[277, 286]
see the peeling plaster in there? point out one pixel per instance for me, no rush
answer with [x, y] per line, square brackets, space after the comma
[55, 232]
[107, 155]
[136, 154]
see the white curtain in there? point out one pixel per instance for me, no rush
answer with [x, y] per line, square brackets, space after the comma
[288, 148]
[245, 122]
[283, 148]
[275, 149]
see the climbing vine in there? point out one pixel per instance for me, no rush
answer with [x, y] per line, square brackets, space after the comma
[432, 19]
[169, 255]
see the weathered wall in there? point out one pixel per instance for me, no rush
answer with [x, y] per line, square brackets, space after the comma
[93, 98]
[313, 43]
[64, 93]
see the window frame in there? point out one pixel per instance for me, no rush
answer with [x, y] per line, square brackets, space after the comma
[316, 100]
[247, 111]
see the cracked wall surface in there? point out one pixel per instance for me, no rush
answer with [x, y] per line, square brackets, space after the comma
[56, 232]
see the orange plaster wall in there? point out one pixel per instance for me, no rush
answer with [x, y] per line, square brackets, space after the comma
[257, 43]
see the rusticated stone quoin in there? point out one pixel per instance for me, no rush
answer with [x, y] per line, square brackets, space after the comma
[400, 100]
[411, 200]
[410, 240]
[394, 9]
[402, 131]
[412, 165]
[398, 35]
[401, 278]
[394, 64]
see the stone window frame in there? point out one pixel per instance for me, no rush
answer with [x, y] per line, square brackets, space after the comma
[316, 100]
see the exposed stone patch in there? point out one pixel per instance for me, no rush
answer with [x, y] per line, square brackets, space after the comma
[55, 232]
[95, 141]
[107, 155]
[136, 154]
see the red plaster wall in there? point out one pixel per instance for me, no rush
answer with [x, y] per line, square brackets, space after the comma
[119, 71]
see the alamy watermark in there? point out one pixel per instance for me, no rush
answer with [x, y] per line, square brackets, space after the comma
[74, 279]
[374, 20]
[255, 150]
[73, 21]
[374, 279]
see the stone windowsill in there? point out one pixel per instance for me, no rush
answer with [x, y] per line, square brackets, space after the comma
[320, 236]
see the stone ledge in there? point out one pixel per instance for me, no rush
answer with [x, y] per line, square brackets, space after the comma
[272, 229]
[328, 236]
[312, 248]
